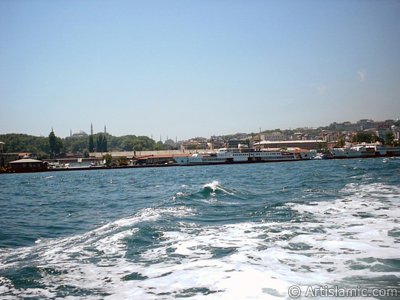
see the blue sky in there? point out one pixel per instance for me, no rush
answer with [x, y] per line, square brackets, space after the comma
[196, 68]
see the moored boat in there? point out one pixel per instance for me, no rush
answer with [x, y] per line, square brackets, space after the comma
[225, 155]
[360, 151]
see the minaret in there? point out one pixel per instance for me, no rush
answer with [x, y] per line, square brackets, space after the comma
[105, 129]
[70, 133]
[91, 128]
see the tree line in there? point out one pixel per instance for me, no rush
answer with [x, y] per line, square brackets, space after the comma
[53, 146]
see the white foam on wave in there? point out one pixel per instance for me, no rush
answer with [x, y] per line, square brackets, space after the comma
[229, 261]
[212, 185]
[236, 261]
[356, 226]
[93, 261]
[264, 260]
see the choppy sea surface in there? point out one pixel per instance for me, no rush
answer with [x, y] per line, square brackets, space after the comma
[205, 232]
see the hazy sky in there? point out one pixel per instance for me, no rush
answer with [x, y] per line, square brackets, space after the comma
[196, 68]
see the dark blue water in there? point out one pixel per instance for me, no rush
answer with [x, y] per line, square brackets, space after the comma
[229, 231]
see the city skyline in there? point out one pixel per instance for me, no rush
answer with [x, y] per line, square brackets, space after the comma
[367, 124]
[191, 69]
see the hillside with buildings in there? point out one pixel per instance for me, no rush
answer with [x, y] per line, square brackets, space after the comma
[81, 144]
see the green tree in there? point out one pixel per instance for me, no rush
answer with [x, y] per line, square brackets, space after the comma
[55, 144]
[389, 139]
[15, 143]
[143, 143]
[340, 142]
[323, 147]
[59, 146]
[75, 144]
[101, 143]
[159, 146]
[365, 137]
[52, 143]
[105, 146]
[91, 143]
[128, 145]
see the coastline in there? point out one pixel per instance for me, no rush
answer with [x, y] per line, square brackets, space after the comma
[93, 168]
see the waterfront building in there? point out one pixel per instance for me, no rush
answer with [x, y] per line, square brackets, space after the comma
[274, 136]
[216, 142]
[302, 144]
[328, 136]
[236, 143]
[195, 143]
[27, 165]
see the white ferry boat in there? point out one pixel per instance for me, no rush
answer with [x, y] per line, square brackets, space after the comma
[274, 155]
[224, 155]
[365, 150]
[353, 152]
[221, 156]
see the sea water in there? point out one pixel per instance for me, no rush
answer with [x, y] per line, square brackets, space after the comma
[252, 231]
